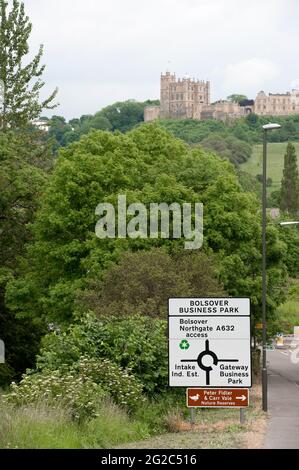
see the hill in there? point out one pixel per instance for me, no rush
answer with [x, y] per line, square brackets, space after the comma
[276, 153]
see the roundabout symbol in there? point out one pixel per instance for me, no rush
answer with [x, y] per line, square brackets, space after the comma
[208, 353]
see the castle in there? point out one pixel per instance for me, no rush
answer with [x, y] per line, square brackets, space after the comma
[277, 104]
[187, 98]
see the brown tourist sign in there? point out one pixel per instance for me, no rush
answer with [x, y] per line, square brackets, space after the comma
[218, 397]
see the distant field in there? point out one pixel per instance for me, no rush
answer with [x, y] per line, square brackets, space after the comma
[275, 162]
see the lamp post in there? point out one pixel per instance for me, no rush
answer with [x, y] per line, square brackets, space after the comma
[292, 222]
[266, 128]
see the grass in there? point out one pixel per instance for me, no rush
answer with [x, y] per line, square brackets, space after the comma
[44, 427]
[162, 422]
[214, 429]
[40, 427]
[276, 153]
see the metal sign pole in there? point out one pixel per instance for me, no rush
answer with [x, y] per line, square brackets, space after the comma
[242, 416]
[192, 416]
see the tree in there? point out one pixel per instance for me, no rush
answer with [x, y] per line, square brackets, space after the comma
[148, 165]
[289, 201]
[230, 147]
[22, 83]
[21, 184]
[150, 278]
[236, 98]
[125, 115]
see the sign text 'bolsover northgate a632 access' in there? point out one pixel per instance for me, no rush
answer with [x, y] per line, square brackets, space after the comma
[209, 342]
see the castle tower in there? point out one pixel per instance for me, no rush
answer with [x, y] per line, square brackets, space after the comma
[165, 85]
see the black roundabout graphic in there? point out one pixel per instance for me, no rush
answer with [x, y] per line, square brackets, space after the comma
[202, 366]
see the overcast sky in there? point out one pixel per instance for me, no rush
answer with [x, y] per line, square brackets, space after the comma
[101, 51]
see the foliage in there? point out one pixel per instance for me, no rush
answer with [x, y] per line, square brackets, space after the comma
[290, 236]
[287, 316]
[80, 387]
[119, 382]
[22, 178]
[249, 183]
[136, 343]
[72, 392]
[65, 133]
[148, 165]
[120, 116]
[150, 278]
[236, 98]
[289, 199]
[229, 147]
[123, 116]
[193, 131]
[247, 129]
[22, 83]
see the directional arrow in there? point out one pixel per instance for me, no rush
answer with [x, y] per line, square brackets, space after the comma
[243, 398]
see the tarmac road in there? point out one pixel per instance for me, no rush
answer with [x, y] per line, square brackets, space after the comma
[283, 405]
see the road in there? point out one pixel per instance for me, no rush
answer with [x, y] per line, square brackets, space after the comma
[283, 425]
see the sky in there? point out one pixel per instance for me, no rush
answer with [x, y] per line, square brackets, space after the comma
[101, 51]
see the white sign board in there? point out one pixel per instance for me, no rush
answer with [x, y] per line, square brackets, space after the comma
[209, 342]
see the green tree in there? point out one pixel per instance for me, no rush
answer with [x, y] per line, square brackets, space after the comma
[150, 277]
[125, 115]
[21, 184]
[235, 150]
[289, 200]
[148, 165]
[290, 235]
[236, 98]
[22, 83]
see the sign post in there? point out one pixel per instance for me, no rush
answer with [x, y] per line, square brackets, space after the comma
[210, 348]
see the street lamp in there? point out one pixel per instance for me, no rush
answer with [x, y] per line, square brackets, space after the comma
[266, 128]
[283, 224]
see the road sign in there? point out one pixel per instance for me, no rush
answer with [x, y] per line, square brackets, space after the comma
[280, 341]
[259, 326]
[219, 398]
[209, 342]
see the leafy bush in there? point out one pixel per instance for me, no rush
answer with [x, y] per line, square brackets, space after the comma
[122, 386]
[137, 343]
[80, 396]
[80, 388]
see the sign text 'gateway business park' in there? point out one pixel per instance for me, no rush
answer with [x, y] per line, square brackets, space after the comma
[209, 342]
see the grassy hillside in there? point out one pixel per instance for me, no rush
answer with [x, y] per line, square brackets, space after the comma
[276, 153]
